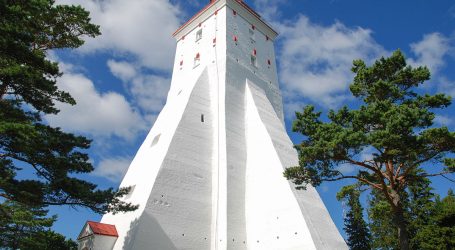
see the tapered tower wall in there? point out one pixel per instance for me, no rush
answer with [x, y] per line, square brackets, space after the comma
[208, 175]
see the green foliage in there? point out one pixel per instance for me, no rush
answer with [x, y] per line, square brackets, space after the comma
[439, 233]
[431, 221]
[418, 205]
[383, 231]
[23, 227]
[27, 90]
[393, 121]
[354, 225]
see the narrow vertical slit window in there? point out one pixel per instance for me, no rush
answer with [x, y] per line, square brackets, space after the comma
[199, 35]
[155, 140]
[202, 118]
[254, 60]
[197, 60]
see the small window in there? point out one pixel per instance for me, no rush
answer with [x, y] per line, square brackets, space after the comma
[197, 60]
[202, 118]
[199, 35]
[234, 12]
[254, 60]
[252, 41]
[251, 32]
[155, 140]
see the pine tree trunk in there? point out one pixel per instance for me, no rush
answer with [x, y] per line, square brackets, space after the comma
[400, 221]
[3, 88]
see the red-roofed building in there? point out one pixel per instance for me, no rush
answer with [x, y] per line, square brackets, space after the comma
[97, 236]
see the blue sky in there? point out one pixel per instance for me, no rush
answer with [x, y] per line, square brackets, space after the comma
[120, 79]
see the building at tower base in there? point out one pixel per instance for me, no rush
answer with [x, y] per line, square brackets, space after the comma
[209, 173]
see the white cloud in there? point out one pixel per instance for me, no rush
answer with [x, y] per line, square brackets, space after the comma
[346, 168]
[291, 107]
[149, 91]
[316, 60]
[123, 70]
[269, 9]
[443, 120]
[112, 169]
[430, 51]
[138, 28]
[98, 114]
[446, 86]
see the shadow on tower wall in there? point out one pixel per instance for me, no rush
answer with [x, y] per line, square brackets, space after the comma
[149, 229]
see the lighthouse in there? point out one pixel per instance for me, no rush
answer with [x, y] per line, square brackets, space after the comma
[209, 173]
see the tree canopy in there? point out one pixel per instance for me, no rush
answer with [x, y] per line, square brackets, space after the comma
[393, 126]
[354, 225]
[28, 89]
[25, 227]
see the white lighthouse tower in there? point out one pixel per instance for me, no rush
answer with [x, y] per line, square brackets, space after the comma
[209, 173]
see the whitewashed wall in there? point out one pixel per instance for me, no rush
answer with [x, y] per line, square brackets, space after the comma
[204, 184]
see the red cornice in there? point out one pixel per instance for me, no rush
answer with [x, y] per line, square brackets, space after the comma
[194, 17]
[241, 2]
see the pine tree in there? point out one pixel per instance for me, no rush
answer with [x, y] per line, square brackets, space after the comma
[27, 91]
[439, 233]
[420, 206]
[354, 225]
[394, 121]
[23, 227]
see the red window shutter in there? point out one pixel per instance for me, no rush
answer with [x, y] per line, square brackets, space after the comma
[254, 52]
[216, 12]
[198, 56]
[181, 63]
[253, 27]
[183, 37]
[214, 40]
[235, 38]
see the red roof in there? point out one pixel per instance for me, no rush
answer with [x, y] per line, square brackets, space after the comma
[103, 229]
